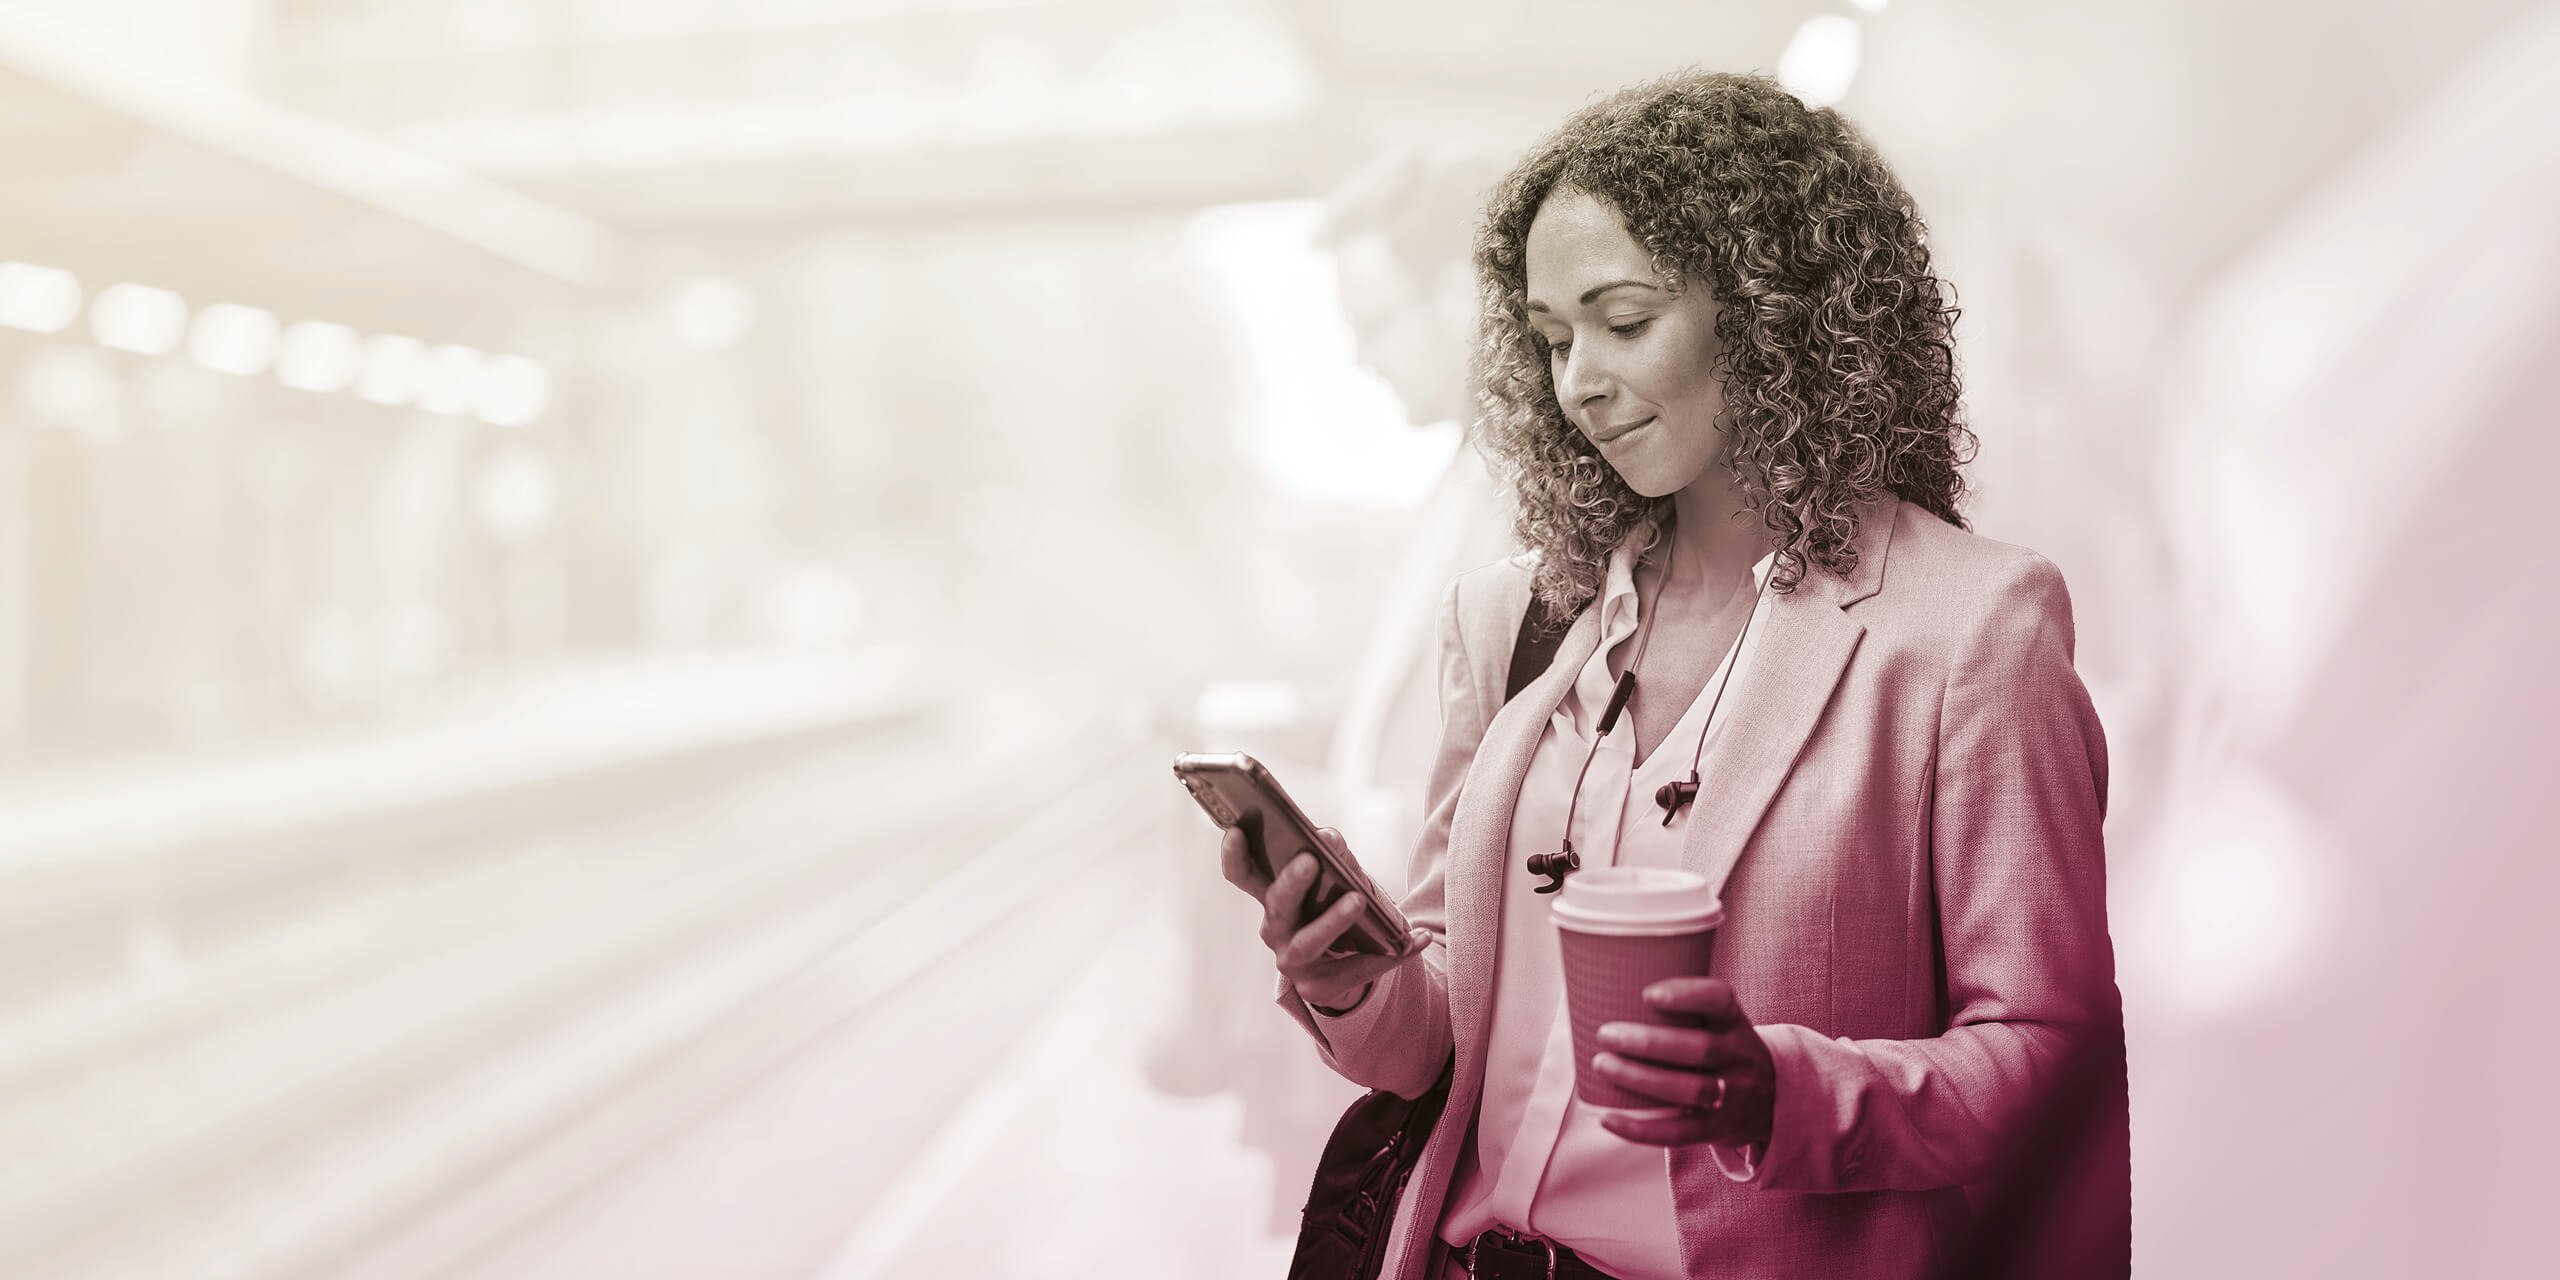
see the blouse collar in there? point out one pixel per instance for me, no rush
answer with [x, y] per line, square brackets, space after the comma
[1618, 615]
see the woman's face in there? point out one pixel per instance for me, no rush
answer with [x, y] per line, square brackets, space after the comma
[1633, 364]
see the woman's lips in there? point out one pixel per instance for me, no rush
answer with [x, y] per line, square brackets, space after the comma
[1618, 433]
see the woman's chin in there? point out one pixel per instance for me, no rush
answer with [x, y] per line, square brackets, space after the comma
[1654, 481]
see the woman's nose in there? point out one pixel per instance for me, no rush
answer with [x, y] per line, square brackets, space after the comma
[1581, 384]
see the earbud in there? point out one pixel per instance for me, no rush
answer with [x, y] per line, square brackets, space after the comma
[1672, 795]
[1556, 866]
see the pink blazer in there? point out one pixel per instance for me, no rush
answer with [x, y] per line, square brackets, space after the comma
[1905, 825]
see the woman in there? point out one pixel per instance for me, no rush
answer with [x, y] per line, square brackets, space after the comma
[1718, 375]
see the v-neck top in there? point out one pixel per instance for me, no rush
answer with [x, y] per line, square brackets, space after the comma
[1541, 1163]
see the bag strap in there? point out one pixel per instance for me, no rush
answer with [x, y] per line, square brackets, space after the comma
[1361, 1176]
[1541, 634]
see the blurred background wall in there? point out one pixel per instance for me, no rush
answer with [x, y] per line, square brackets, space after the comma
[593, 597]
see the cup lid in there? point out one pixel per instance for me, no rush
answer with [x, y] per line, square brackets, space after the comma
[1607, 897]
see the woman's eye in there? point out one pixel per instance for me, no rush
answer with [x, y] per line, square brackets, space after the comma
[1630, 328]
[1556, 350]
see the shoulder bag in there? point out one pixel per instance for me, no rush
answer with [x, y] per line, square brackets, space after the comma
[1351, 1205]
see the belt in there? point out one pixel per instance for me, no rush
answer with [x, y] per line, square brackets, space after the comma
[1500, 1255]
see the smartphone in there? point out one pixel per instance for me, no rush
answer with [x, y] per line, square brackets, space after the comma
[1238, 792]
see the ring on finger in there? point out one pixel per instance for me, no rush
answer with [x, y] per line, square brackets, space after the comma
[1718, 1104]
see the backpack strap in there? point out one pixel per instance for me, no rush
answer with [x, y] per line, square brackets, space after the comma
[1541, 634]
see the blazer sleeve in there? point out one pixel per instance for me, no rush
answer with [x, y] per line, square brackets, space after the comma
[1397, 1037]
[2018, 866]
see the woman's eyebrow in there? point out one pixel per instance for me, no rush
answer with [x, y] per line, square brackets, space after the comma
[1592, 293]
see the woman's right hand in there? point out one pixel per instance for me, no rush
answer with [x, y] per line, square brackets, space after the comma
[1333, 981]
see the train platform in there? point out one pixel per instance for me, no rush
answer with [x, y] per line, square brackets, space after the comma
[1067, 1163]
[633, 970]
[532, 728]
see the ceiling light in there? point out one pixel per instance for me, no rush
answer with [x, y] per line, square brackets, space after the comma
[230, 338]
[38, 299]
[394, 369]
[512, 391]
[316, 355]
[138, 318]
[1821, 60]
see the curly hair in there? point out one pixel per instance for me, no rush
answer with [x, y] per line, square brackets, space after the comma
[1839, 361]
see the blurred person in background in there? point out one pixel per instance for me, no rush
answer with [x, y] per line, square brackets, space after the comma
[1720, 382]
[2357, 833]
[1400, 229]
[2284, 439]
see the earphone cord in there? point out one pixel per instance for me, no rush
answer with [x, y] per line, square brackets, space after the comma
[1699, 752]
[1618, 701]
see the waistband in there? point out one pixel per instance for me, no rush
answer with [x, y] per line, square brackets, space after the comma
[1500, 1254]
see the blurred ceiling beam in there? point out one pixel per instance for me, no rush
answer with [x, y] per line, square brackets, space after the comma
[1066, 179]
[419, 189]
[763, 115]
[1073, 107]
[1558, 56]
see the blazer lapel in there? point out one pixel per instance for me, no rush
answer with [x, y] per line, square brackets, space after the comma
[1480, 833]
[1796, 663]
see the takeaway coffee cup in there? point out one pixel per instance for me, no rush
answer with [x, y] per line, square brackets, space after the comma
[1623, 929]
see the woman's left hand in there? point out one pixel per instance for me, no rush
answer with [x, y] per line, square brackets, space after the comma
[1681, 1064]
